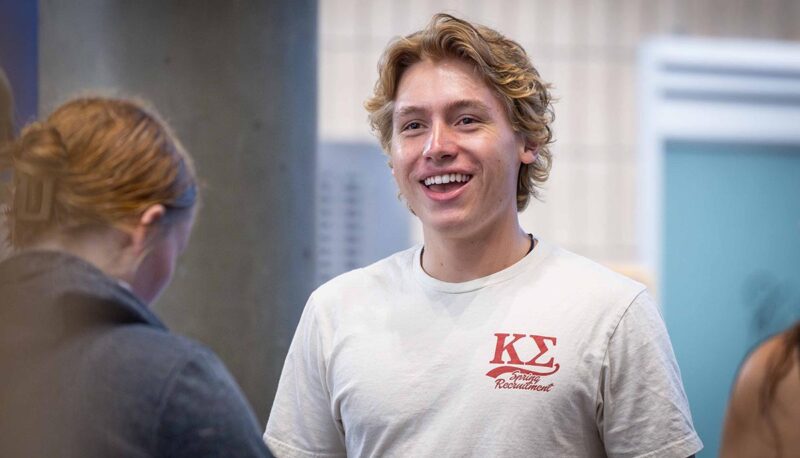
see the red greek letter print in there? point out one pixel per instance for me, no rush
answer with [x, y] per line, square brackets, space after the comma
[503, 347]
[511, 373]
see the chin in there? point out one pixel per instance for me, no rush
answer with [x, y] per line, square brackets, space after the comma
[449, 227]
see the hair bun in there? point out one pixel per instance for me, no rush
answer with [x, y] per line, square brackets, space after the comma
[95, 162]
[37, 159]
[39, 152]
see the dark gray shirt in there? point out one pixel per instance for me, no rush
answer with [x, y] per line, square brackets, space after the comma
[86, 370]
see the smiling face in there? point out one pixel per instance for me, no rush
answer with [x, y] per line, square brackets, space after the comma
[454, 154]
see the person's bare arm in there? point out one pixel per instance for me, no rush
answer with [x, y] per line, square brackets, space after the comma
[746, 431]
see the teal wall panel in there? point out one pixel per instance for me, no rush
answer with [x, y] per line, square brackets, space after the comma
[731, 262]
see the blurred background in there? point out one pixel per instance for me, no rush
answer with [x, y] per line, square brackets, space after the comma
[677, 154]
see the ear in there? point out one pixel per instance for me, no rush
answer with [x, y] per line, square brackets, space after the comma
[529, 153]
[146, 226]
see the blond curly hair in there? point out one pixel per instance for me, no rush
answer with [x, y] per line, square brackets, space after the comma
[505, 68]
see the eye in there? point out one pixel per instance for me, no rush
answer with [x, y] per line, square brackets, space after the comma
[413, 125]
[466, 120]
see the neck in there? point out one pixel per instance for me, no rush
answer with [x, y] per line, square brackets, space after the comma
[101, 248]
[456, 260]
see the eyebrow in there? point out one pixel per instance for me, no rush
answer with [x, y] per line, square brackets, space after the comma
[468, 104]
[452, 106]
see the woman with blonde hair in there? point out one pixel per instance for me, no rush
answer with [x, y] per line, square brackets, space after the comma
[102, 204]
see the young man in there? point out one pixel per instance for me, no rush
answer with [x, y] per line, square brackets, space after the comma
[483, 341]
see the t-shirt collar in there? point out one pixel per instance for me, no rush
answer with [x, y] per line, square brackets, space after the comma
[540, 252]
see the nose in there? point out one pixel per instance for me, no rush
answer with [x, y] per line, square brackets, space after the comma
[441, 143]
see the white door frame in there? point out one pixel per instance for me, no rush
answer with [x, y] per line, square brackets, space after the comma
[730, 91]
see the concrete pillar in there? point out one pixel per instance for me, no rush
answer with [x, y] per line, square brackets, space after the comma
[237, 81]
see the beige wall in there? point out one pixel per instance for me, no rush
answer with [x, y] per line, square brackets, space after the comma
[587, 49]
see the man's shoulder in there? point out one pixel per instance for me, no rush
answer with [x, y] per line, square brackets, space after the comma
[381, 273]
[586, 274]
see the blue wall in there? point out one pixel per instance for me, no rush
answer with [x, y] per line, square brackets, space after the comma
[19, 55]
[731, 263]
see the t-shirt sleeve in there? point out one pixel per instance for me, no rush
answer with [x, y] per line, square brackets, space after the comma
[205, 414]
[302, 422]
[642, 407]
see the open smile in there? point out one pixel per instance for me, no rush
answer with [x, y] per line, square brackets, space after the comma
[446, 179]
[445, 186]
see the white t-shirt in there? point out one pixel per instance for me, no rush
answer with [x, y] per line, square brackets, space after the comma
[554, 356]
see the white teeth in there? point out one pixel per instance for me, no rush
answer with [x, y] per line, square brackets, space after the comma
[448, 178]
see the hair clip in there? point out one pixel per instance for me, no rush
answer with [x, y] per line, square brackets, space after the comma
[33, 198]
